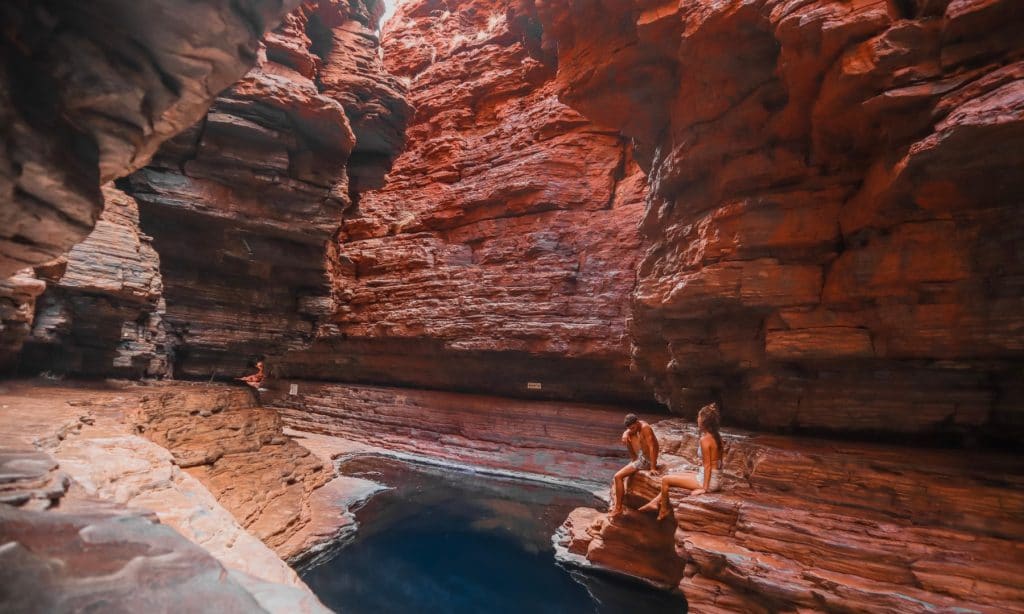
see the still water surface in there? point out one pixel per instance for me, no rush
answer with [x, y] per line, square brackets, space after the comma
[450, 542]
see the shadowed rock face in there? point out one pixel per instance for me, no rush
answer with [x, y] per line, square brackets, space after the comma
[834, 209]
[502, 249]
[101, 312]
[242, 205]
[89, 91]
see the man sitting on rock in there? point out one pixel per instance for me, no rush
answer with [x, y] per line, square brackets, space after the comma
[643, 449]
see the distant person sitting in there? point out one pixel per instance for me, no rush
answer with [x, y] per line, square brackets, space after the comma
[256, 379]
[643, 449]
[709, 458]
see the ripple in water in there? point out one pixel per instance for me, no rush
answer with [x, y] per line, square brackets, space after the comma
[452, 542]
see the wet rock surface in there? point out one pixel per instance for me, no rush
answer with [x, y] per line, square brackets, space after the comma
[803, 523]
[89, 90]
[834, 234]
[502, 249]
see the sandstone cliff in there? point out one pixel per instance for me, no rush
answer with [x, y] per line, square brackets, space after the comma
[89, 90]
[834, 208]
[242, 205]
[502, 249]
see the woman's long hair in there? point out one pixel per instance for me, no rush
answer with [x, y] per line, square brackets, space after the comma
[711, 421]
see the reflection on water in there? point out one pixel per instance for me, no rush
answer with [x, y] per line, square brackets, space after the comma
[453, 542]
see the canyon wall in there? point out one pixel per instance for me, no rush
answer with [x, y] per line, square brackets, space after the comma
[241, 206]
[834, 207]
[89, 90]
[101, 311]
[502, 249]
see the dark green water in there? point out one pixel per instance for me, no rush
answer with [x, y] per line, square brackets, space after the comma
[451, 542]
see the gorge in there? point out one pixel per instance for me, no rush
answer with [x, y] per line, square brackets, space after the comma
[473, 238]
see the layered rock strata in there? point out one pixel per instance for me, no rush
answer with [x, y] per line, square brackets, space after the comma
[813, 525]
[101, 312]
[89, 90]
[502, 249]
[242, 205]
[835, 190]
[570, 442]
[240, 454]
[72, 460]
[18, 295]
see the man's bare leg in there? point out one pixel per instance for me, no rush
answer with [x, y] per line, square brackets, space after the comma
[619, 487]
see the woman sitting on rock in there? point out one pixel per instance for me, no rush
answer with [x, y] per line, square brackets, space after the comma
[709, 457]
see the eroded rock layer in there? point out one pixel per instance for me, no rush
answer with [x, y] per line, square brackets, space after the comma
[238, 451]
[502, 249]
[89, 90]
[835, 197]
[573, 442]
[242, 205]
[101, 312]
[812, 525]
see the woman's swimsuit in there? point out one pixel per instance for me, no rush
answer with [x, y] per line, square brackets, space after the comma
[716, 480]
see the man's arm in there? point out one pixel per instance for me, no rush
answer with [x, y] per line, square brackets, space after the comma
[651, 442]
[629, 444]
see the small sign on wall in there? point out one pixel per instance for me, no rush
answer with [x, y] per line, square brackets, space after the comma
[534, 386]
[293, 390]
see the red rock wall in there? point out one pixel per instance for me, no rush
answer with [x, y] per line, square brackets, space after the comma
[242, 205]
[502, 248]
[834, 210]
[89, 90]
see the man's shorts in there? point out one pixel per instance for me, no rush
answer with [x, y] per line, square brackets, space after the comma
[641, 464]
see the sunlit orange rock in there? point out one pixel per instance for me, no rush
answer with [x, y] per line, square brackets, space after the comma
[834, 203]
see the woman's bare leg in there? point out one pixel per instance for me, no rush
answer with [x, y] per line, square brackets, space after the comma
[680, 480]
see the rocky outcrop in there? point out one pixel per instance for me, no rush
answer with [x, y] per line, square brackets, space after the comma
[833, 210]
[101, 312]
[72, 461]
[239, 452]
[502, 249]
[242, 205]
[18, 295]
[808, 524]
[89, 90]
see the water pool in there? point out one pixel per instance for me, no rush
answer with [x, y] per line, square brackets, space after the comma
[444, 541]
